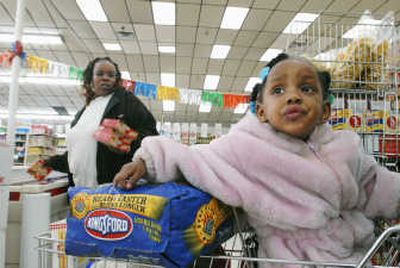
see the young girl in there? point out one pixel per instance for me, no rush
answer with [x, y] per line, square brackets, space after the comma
[310, 193]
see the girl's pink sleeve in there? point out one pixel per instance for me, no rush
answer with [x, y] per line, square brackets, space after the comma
[204, 166]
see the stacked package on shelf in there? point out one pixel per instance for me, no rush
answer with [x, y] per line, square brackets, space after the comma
[115, 134]
[38, 170]
[361, 65]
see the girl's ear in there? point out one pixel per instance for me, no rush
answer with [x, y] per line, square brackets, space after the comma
[326, 112]
[261, 113]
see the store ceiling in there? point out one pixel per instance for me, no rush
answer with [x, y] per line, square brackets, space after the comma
[197, 29]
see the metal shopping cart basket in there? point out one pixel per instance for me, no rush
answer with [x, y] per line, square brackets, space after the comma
[238, 252]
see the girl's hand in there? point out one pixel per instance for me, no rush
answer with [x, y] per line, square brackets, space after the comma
[129, 174]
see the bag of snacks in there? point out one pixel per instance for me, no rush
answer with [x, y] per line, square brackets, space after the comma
[115, 134]
[38, 170]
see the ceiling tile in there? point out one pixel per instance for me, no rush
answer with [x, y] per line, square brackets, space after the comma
[64, 57]
[215, 2]
[254, 53]
[81, 59]
[130, 47]
[245, 38]
[39, 13]
[151, 64]
[202, 51]
[240, 3]
[148, 48]
[185, 34]
[316, 6]
[116, 10]
[215, 66]
[291, 5]
[69, 10]
[183, 65]
[211, 16]
[256, 19]
[84, 30]
[240, 83]
[199, 66]
[145, 32]
[165, 34]
[187, 15]
[390, 5]
[153, 78]
[230, 67]
[182, 81]
[206, 35]
[135, 63]
[237, 52]
[269, 4]
[167, 64]
[246, 68]
[259, 65]
[140, 11]
[225, 83]
[184, 50]
[94, 45]
[225, 36]
[196, 81]
[337, 7]
[104, 30]
[278, 21]
[124, 31]
[5, 16]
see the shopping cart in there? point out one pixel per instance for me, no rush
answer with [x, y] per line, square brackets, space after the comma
[238, 252]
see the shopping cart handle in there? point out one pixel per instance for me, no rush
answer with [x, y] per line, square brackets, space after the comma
[374, 248]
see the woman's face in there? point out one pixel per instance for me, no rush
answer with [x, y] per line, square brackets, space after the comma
[104, 78]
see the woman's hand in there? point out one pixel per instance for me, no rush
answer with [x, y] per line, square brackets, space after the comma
[129, 174]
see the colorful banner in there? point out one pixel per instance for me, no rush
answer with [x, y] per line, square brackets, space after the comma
[190, 96]
[232, 100]
[146, 90]
[167, 93]
[216, 98]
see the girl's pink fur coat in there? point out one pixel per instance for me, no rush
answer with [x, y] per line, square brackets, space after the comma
[309, 200]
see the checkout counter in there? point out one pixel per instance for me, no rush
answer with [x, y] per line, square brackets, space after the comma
[32, 206]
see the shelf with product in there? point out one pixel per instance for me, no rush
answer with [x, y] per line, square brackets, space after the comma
[39, 144]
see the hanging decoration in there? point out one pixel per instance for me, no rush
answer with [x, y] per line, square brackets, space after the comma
[146, 90]
[216, 98]
[190, 96]
[167, 93]
[232, 100]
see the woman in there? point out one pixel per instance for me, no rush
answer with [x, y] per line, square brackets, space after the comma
[88, 162]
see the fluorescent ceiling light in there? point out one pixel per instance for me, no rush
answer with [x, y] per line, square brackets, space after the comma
[33, 39]
[42, 81]
[205, 107]
[112, 46]
[220, 51]
[241, 108]
[166, 49]
[168, 106]
[30, 30]
[64, 118]
[125, 75]
[300, 23]
[211, 82]
[251, 83]
[270, 54]
[234, 17]
[92, 10]
[164, 13]
[168, 79]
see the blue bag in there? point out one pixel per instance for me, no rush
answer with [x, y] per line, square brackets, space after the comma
[167, 224]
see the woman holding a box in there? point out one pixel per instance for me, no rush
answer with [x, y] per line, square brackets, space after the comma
[87, 161]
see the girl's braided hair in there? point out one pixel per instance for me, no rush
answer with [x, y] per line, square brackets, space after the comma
[258, 90]
[88, 92]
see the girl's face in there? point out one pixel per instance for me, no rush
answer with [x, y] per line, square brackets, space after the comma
[104, 78]
[292, 99]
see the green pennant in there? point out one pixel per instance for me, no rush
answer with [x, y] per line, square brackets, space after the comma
[216, 98]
